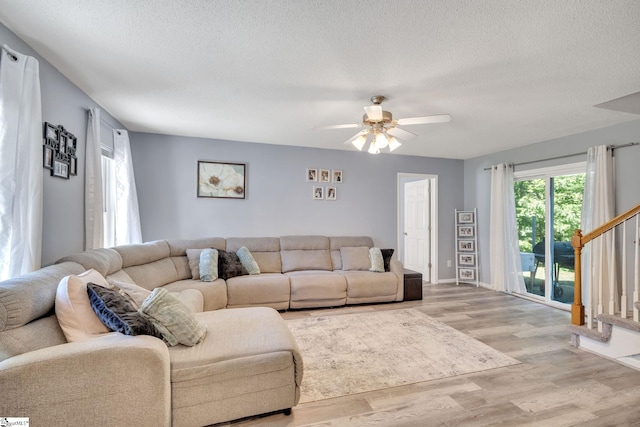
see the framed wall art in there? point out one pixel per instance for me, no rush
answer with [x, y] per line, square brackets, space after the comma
[312, 174]
[331, 193]
[59, 151]
[466, 246]
[324, 175]
[318, 193]
[222, 180]
[336, 175]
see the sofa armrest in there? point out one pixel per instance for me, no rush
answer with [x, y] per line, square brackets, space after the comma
[112, 380]
[397, 268]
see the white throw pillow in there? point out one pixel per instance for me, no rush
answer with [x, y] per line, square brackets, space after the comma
[193, 255]
[247, 260]
[377, 262]
[73, 308]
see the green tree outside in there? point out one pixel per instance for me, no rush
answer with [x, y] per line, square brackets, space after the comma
[530, 208]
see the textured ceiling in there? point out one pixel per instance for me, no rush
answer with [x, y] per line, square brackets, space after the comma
[510, 73]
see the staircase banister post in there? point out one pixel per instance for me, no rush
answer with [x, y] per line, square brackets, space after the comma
[577, 309]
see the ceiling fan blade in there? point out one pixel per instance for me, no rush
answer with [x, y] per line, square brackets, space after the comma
[374, 112]
[401, 133]
[347, 126]
[438, 118]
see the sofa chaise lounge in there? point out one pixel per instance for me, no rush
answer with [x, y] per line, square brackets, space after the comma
[247, 364]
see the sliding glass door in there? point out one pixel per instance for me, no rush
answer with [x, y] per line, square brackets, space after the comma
[548, 209]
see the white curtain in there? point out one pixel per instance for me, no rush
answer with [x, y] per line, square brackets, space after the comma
[598, 208]
[127, 222]
[93, 195]
[20, 164]
[504, 251]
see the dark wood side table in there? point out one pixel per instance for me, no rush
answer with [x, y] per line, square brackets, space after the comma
[412, 285]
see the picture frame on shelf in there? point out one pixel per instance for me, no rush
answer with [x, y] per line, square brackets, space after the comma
[331, 193]
[467, 260]
[222, 180]
[336, 175]
[466, 231]
[318, 193]
[467, 273]
[312, 174]
[324, 175]
[466, 246]
[466, 218]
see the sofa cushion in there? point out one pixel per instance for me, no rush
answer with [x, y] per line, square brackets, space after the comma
[208, 266]
[265, 250]
[175, 321]
[337, 242]
[104, 260]
[305, 253]
[73, 308]
[31, 296]
[247, 260]
[355, 258]
[269, 290]
[377, 262]
[118, 312]
[214, 294]
[361, 284]
[317, 289]
[229, 265]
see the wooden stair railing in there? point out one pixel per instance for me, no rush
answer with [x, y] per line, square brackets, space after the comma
[578, 241]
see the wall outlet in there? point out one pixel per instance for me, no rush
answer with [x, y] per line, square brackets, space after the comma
[448, 263]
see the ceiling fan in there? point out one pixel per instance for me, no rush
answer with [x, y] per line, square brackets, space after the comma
[381, 130]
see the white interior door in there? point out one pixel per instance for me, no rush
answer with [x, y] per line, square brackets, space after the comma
[417, 241]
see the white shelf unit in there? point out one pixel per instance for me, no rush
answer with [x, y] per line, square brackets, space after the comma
[466, 246]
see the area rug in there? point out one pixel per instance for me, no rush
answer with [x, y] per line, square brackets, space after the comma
[354, 353]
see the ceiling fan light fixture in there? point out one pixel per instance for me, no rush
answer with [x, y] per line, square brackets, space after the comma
[381, 140]
[373, 149]
[393, 143]
[360, 141]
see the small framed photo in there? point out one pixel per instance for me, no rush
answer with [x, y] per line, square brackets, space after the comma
[466, 218]
[47, 157]
[467, 259]
[467, 273]
[312, 174]
[331, 193]
[222, 180]
[336, 176]
[466, 231]
[466, 246]
[73, 166]
[324, 175]
[50, 131]
[60, 169]
[72, 143]
[62, 148]
[318, 193]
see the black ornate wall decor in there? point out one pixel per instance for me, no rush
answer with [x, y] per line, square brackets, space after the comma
[59, 151]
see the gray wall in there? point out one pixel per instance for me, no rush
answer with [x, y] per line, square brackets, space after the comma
[279, 199]
[477, 181]
[64, 104]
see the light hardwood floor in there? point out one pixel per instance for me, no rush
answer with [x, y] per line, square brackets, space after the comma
[555, 385]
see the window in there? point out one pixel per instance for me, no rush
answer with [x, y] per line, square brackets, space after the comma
[549, 196]
[108, 185]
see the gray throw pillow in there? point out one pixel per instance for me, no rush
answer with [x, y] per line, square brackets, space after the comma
[118, 312]
[229, 265]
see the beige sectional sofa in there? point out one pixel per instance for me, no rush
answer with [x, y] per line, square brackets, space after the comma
[235, 372]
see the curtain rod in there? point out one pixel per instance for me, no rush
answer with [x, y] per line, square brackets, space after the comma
[611, 147]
